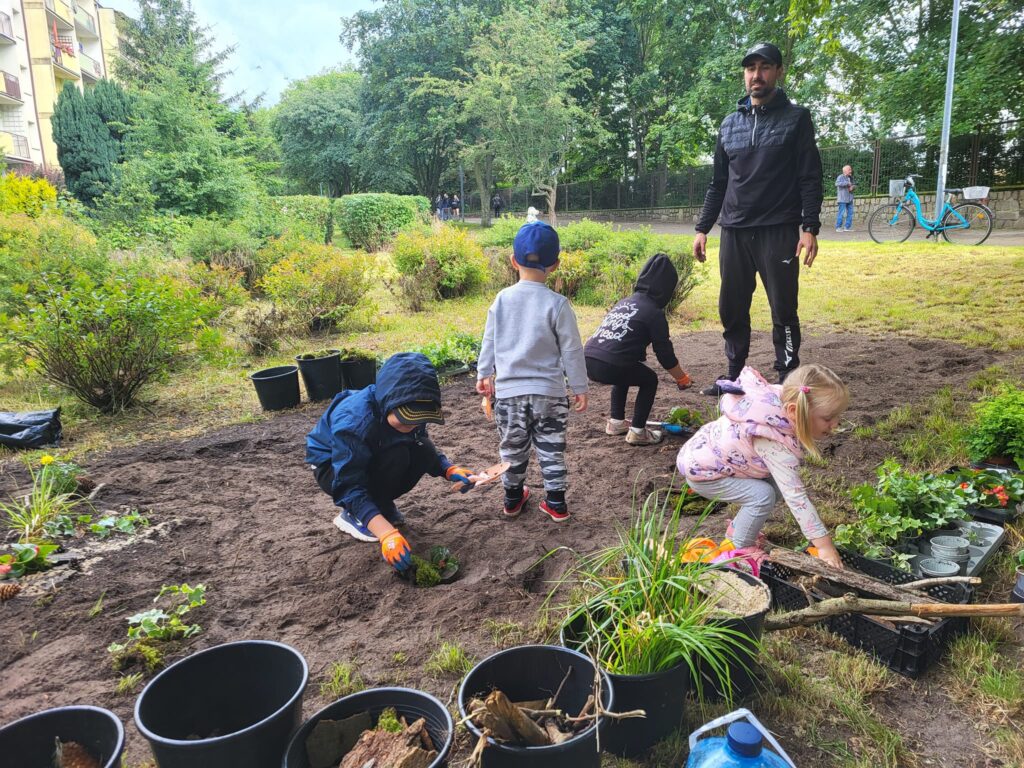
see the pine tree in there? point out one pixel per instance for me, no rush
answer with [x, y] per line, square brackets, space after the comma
[86, 149]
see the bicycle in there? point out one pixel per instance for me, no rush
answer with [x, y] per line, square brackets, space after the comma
[969, 223]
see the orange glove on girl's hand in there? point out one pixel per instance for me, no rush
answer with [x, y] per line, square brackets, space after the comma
[395, 549]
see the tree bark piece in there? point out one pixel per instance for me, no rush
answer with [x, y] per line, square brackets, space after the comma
[383, 749]
[497, 703]
[798, 561]
[484, 719]
[852, 604]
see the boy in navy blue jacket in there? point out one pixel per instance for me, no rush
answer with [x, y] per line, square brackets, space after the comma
[371, 446]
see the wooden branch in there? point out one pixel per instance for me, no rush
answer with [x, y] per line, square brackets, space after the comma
[553, 701]
[922, 583]
[497, 703]
[859, 582]
[852, 604]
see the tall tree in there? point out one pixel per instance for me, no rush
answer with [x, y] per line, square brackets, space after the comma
[318, 123]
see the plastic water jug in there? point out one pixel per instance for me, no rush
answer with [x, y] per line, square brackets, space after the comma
[741, 747]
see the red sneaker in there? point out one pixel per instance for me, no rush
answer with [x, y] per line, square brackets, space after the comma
[514, 511]
[558, 515]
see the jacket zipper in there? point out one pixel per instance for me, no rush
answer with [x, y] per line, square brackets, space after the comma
[753, 133]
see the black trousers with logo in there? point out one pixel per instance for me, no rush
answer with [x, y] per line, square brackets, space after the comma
[393, 472]
[745, 254]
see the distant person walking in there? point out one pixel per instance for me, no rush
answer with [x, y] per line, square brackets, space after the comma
[456, 205]
[767, 187]
[446, 207]
[497, 204]
[844, 195]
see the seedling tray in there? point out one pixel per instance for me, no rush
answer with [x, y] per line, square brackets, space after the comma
[988, 539]
[907, 649]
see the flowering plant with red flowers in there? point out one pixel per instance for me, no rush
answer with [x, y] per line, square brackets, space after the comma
[990, 488]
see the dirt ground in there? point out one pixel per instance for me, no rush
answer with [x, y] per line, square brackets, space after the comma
[239, 511]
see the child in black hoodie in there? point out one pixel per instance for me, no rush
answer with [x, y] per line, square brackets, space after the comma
[616, 351]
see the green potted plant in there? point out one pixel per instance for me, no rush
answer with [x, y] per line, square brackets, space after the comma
[996, 438]
[358, 368]
[991, 494]
[653, 623]
[321, 373]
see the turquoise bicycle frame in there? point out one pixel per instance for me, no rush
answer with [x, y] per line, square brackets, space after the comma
[933, 226]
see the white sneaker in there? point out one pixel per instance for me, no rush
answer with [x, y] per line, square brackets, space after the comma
[847, 230]
[345, 523]
[839, 230]
[645, 437]
[616, 427]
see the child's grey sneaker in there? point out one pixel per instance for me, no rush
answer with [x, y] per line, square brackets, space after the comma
[345, 523]
[616, 427]
[644, 437]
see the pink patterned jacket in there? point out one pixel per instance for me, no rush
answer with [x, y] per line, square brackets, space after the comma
[725, 447]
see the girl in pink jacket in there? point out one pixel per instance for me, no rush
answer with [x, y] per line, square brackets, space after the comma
[753, 451]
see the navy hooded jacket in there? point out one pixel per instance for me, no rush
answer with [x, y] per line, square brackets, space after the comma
[354, 429]
[639, 320]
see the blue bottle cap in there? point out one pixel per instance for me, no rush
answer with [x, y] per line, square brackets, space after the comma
[744, 739]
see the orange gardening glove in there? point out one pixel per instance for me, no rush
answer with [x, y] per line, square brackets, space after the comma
[684, 381]
[395, 549]
[458, 474]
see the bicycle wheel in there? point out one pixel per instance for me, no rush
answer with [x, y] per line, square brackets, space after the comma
[977, 230]
[891, 223]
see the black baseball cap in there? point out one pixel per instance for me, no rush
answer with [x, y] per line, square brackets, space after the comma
[419, 412]
[765, 51]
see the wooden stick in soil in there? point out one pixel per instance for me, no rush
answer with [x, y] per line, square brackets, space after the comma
[852, 604]
[497, 703]
[553, 701]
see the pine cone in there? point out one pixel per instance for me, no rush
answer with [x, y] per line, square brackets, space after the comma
[71, 754]
[9, 590]
[86, 485]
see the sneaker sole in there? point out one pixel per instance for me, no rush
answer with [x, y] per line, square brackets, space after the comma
[555, 516]
[346, 527]
[518, 509]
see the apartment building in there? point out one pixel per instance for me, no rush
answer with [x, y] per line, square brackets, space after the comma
[43, 45]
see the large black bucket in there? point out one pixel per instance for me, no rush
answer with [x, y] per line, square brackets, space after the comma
[743, 666]
[277, 388]
[321, 375]
[410, 704]
[534, 672]
[233, 704]
[358, 374]
[662, 695]
[30, 742]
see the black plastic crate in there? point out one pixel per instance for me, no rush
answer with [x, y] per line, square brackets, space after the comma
[908, 649]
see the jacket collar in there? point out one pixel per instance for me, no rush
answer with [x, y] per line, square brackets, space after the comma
[780, 100]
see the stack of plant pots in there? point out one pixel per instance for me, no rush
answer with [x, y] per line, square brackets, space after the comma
[951, 549]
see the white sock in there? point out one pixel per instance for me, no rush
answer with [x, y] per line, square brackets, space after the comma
[617, 421]
[636, 430]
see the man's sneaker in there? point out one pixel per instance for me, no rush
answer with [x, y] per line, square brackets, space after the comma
[838, 229]
[557, 512]
[348, 524]
[616, 427]
[713, 390]
[644, 437]
[513, 509]
[847, 230]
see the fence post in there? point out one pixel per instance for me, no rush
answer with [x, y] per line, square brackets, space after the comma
[590, 187]
[618, 195]
[689, 194]
[972, 177]
[876, 166]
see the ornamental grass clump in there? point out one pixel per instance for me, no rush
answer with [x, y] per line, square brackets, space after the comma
[646, 611]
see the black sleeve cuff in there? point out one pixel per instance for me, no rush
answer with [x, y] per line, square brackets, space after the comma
[814, 229]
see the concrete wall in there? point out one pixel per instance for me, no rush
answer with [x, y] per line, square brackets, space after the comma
[1006, 205]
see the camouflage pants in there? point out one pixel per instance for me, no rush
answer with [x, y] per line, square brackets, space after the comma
[540, 420]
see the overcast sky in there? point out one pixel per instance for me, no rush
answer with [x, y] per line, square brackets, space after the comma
[275, 41]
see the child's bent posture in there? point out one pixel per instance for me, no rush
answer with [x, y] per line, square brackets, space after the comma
[753, 451]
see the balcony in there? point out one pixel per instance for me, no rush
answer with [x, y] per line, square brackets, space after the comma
[10, 90]
[64, 60]
[6, 30]
[91, 68]
[14, 146]
[85, 24]
[60, 11]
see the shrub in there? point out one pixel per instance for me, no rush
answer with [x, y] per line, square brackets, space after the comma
[278, 248]
[448, 262]
[105, 341]
[998, 428]
[456, 347]
[309, 216]
[500, 267]
[320, 284]
[501, 232]
[260, 328]
[48, 249]
[214, 242]
[584, 234]
[221, 286]
[370, 221]
[575, 269]
[21, 194]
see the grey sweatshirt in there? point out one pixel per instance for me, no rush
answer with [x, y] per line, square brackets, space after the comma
[532, 344]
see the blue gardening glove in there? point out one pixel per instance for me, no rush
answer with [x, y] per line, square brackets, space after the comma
[458, 474]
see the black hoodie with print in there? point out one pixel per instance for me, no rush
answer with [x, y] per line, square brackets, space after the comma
[639, 320]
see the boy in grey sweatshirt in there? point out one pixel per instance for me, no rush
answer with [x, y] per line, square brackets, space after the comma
[531, 349]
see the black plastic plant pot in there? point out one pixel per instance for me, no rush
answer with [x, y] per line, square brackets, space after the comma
[233, 704]
[1017, 594]
[321, 375]
[743, 664]
[277, 388]
[662, 695]
[533, 672]
[30, 742]
[410, 704]
[359, 373]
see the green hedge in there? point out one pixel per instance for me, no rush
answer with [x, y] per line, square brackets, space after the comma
[310, 216]
[370, 221]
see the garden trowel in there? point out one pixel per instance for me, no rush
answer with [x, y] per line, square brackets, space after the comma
[488, 475]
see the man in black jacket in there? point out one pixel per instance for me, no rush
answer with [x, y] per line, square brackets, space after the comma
[767, 187]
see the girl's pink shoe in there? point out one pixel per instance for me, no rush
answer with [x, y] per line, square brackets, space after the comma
[746, 559]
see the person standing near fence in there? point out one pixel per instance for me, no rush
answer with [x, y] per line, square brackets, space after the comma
[844, 196]
[497, 204]
[767, 186]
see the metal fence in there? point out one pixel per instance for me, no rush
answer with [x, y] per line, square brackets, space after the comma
[992, 156]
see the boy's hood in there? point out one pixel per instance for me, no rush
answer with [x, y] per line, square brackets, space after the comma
[658, 279]
[405, 378]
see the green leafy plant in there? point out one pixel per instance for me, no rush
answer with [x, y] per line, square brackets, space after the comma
[62, 475]
[989, 488]
[341, 679]
[684, 417]
[43, 504]
[127, 684]
[102, 527]
[26, 558]
[456, 347]
[371, 220]
[1019, 560]
[998, 428]
[448, 659]
[388, 721]
[227, 244]
[447, 262]
[162, 624]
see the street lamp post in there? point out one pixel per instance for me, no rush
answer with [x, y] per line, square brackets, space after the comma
[947, 110]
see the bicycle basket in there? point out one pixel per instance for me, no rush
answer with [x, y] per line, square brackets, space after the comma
[896, 188]
[975, 193]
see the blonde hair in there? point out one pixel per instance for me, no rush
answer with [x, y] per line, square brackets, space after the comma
[813, 387]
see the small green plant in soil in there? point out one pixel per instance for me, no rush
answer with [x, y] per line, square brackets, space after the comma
[43, 504]
[102, 527]
[388, 721]
[62, 476]
[97, 607]
[427, 574]
[159, 625]
[432, 570]
[25, 559]
[1018, 560]
[341, 679]
[318, 354]
[448, 659]
[998, 428]
[127, 684]
[684, 417]
[349, 355]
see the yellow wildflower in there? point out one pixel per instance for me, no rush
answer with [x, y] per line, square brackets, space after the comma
[46, 460]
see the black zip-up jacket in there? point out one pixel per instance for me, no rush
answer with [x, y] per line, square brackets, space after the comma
[767, 168]
[639, 321]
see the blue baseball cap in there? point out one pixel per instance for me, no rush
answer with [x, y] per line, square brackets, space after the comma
[536, 245]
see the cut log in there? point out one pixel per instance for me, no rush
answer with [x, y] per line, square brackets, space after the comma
[497, 703]
[383, 749]
[853, 604]
[484, 719]
[862, 583]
